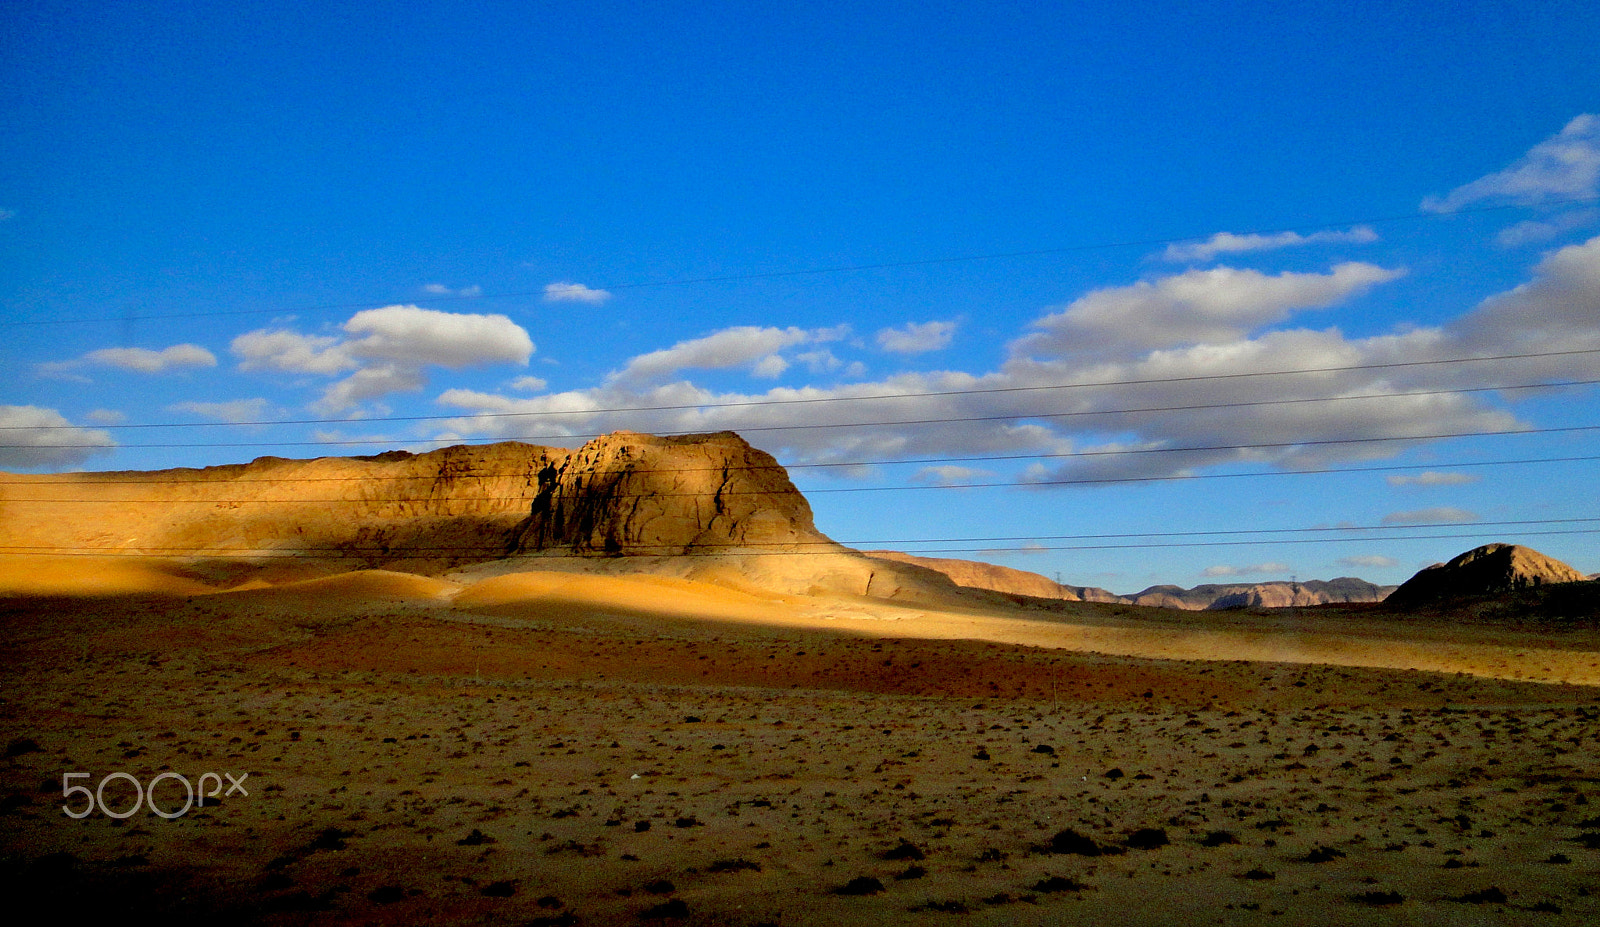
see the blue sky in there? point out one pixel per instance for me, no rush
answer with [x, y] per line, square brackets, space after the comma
[223, 213]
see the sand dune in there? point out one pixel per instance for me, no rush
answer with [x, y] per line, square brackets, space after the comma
[50, 574]
[547, 595]
[580, 594]
[358, 585]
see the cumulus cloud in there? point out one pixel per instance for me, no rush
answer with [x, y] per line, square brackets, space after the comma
[291, 352]
[1252, 570]
[1556, 310]
[412, 336]
[1433, 516]
[949, 475]
[1433, 478]
[1538, 231]
[1229, 243]
[1369, 561]
[137, 360]
[748, 346]
[234, 411]
[574, 293]
[439, 289]
[1219, 305]
[529, 384]
[385, 350]
[1196, 406]
[1565, 166]
[917, 337]
[43, 439]
[372, 382]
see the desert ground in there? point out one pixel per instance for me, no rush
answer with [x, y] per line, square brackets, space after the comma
[545, 747]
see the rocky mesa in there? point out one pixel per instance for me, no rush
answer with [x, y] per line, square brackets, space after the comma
[624, 493]
[708, 507]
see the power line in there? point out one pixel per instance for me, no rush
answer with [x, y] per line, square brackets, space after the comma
[69, 478]
[930, 421]
[1367, 532]
[1237, 531]
[813, 400]
[1087, 481]
[1114, 480]
[786, 274]
[702, 550]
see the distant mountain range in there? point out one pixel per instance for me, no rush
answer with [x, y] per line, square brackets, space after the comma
[1011, 581]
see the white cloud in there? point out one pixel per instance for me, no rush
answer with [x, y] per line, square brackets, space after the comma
[917, 337]
[1196, 307]
[370, 383]
[1054, 400]
[42, 439]
[1537, 231]
[291, 352]
[1433, 478]
[1565, 166]
[823, 360]
[144, 360]
[529, 384]
[1252, 570]
[1554, 311]
[1229, 243]
[743, 346]
[1369, 561]
[106, 416]
[1433, 516]
[574, 293]
[439, 289]
[770, 367]
[335, 436]
[385, 350]
[413, 336]
[235, 411]
[949, 475]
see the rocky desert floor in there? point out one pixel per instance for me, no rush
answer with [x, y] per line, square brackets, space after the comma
[603, 750]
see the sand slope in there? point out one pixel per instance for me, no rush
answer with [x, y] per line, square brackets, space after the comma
[49, 574]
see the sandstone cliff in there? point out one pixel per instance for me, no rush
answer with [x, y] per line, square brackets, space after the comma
[623, 493]
[1488, 570]
[708, 507]
[629, 493]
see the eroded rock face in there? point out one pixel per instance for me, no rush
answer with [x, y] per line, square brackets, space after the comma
[624, 493]
[629, 493]
[1487, 570]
